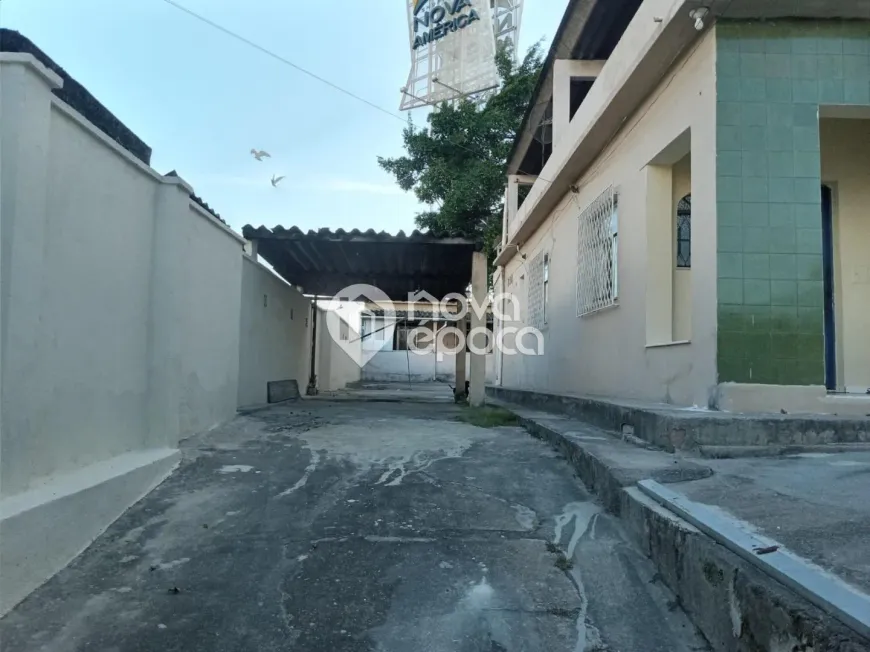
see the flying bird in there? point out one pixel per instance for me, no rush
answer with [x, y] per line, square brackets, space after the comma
[276, 181]
[260, 154]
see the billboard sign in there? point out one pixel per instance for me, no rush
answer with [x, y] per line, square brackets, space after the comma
[452, 46]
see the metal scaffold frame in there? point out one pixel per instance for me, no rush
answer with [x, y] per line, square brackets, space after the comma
[462, 64]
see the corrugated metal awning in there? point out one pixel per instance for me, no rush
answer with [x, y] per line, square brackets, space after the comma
[324, 262]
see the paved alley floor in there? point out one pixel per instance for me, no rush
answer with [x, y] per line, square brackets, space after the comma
[359, 525]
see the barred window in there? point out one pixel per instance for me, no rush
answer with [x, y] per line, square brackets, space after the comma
[684, 233]
[546, 284]
[598, 254]
[537, 314]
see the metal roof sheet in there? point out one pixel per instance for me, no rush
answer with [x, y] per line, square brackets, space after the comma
[324, 262]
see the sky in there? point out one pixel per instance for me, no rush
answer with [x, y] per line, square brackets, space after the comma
[201, 99]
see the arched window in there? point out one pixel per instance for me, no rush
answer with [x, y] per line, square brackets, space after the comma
[684, 233]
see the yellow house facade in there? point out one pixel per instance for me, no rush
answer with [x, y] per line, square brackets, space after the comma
[687, 217]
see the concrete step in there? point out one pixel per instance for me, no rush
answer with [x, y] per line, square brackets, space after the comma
[733, 452]
[735, 604]
[673, 428]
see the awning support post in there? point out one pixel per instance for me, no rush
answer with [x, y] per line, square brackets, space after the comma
[311, 390]
[477, 341]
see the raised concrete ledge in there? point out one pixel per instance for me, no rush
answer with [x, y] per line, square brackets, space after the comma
[809, 399]
[604, 462]
[46, 527]
[823, 589]
[673, 428]
[734, 604]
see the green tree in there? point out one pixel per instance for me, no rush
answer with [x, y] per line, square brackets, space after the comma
[458, 165]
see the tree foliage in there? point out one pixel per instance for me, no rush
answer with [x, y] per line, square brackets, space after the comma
[458, 165]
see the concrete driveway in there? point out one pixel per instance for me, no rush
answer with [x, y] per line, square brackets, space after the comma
[374, 524]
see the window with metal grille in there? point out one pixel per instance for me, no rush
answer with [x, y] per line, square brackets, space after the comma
[598, 254]
[537, 315]
[684, 232]
[546, 292]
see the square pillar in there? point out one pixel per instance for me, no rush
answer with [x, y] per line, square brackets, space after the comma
[460, 358]
[660, 254]
[169, 284]
[564, 70]
[477, 343]
[512, 202]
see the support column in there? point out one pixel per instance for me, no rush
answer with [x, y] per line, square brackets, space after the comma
[477, 391]
[311, 390]
[169, 283]
[460, 358]
[660, 254]
[564, 70]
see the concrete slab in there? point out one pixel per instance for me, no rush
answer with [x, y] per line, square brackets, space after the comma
[825, 590]
[816, 504]
[604, 462]
[353, 525]
[282, 390]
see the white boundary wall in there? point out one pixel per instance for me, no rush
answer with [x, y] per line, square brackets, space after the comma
[275, 334]
[120, 327]
[131, 318]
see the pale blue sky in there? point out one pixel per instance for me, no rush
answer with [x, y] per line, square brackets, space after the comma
[202, 100]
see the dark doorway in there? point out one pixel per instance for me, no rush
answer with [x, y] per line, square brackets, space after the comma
[828, 277]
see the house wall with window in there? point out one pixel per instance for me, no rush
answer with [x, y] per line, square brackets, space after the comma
[639, 326]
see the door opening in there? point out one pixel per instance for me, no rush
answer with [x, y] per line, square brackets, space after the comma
[828, 278]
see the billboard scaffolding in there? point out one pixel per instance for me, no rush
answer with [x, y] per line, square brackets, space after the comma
[453, 46]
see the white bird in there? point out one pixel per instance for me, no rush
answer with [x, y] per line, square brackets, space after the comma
[276, 181]
[260, 154]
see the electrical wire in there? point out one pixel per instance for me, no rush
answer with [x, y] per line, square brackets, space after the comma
[613, 144]
[315, 76]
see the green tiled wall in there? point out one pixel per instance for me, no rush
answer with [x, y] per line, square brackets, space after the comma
[770, 82]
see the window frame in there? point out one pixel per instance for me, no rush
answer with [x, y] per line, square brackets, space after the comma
[683, 214]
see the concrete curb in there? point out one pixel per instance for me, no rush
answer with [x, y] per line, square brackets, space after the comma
[734, 605]
[603, 480]
[731, 452]
[823, 589]
[673, 428]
